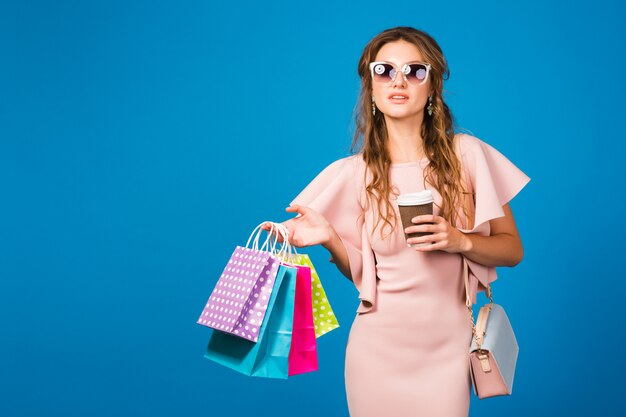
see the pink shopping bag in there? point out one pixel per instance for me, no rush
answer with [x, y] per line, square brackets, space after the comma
[303, 352]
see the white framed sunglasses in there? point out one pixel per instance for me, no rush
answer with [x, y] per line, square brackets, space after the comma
[413, 72]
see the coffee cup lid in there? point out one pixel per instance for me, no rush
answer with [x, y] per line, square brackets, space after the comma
[412, 199]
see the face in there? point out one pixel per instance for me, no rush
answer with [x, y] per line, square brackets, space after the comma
[401, 99]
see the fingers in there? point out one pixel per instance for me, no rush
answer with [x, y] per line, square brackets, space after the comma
[295, 241]
[438, 240]
[423, 228]
[428, 218]
[267, 226]
[295, 208]
[430, 248]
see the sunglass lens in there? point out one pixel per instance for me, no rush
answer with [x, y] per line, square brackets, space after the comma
[418, 72]
[384, 73]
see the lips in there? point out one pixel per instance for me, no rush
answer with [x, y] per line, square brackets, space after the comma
[398, 97]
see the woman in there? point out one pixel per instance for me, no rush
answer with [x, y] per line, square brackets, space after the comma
[407, 352]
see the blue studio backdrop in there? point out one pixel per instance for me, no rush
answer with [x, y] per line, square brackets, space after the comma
[140, 142]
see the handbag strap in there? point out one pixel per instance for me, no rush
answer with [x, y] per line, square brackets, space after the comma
[481, 323]
[478, 329]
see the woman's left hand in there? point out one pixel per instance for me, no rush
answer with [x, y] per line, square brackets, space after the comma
[444, 236]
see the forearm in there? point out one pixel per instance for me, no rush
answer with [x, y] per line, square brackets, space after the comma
[338, 253]
[497, 250]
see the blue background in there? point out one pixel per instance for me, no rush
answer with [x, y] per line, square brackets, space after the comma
[141, 141]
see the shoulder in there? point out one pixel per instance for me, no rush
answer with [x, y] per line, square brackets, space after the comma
[340, 173]
[334, 185]
[473, 151]
[351, 161]
[347, 166]
[468, 145]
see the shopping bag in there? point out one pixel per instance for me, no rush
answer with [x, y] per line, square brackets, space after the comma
[303, 353]
[269, 356]
[324, 318]
[239, 301]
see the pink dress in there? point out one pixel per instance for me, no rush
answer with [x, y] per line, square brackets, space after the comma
[407, 352]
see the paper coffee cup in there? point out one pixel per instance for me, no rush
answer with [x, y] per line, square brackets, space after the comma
[415, 204]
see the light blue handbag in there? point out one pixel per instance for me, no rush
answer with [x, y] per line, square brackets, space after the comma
[269, 356]
[494, 349]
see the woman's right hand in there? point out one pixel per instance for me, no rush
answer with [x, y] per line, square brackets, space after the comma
[309, 228]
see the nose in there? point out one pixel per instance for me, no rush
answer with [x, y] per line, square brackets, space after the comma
[399, 79]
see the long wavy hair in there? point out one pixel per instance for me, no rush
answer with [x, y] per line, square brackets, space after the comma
[444, 171]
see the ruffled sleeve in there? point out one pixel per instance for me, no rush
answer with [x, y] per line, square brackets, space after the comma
[494, 181]
[334, 193]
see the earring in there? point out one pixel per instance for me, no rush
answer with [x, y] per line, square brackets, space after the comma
[430, 106]
[373, 106]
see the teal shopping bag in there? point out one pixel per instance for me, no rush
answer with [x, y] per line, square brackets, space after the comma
[269, 356]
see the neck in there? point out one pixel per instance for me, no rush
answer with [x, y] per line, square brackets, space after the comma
[404, 139]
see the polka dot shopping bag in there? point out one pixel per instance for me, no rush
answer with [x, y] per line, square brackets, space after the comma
[269, 356]
[239, 301]
[323, 316]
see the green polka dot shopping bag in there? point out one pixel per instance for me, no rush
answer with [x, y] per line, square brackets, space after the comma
[323, 316]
